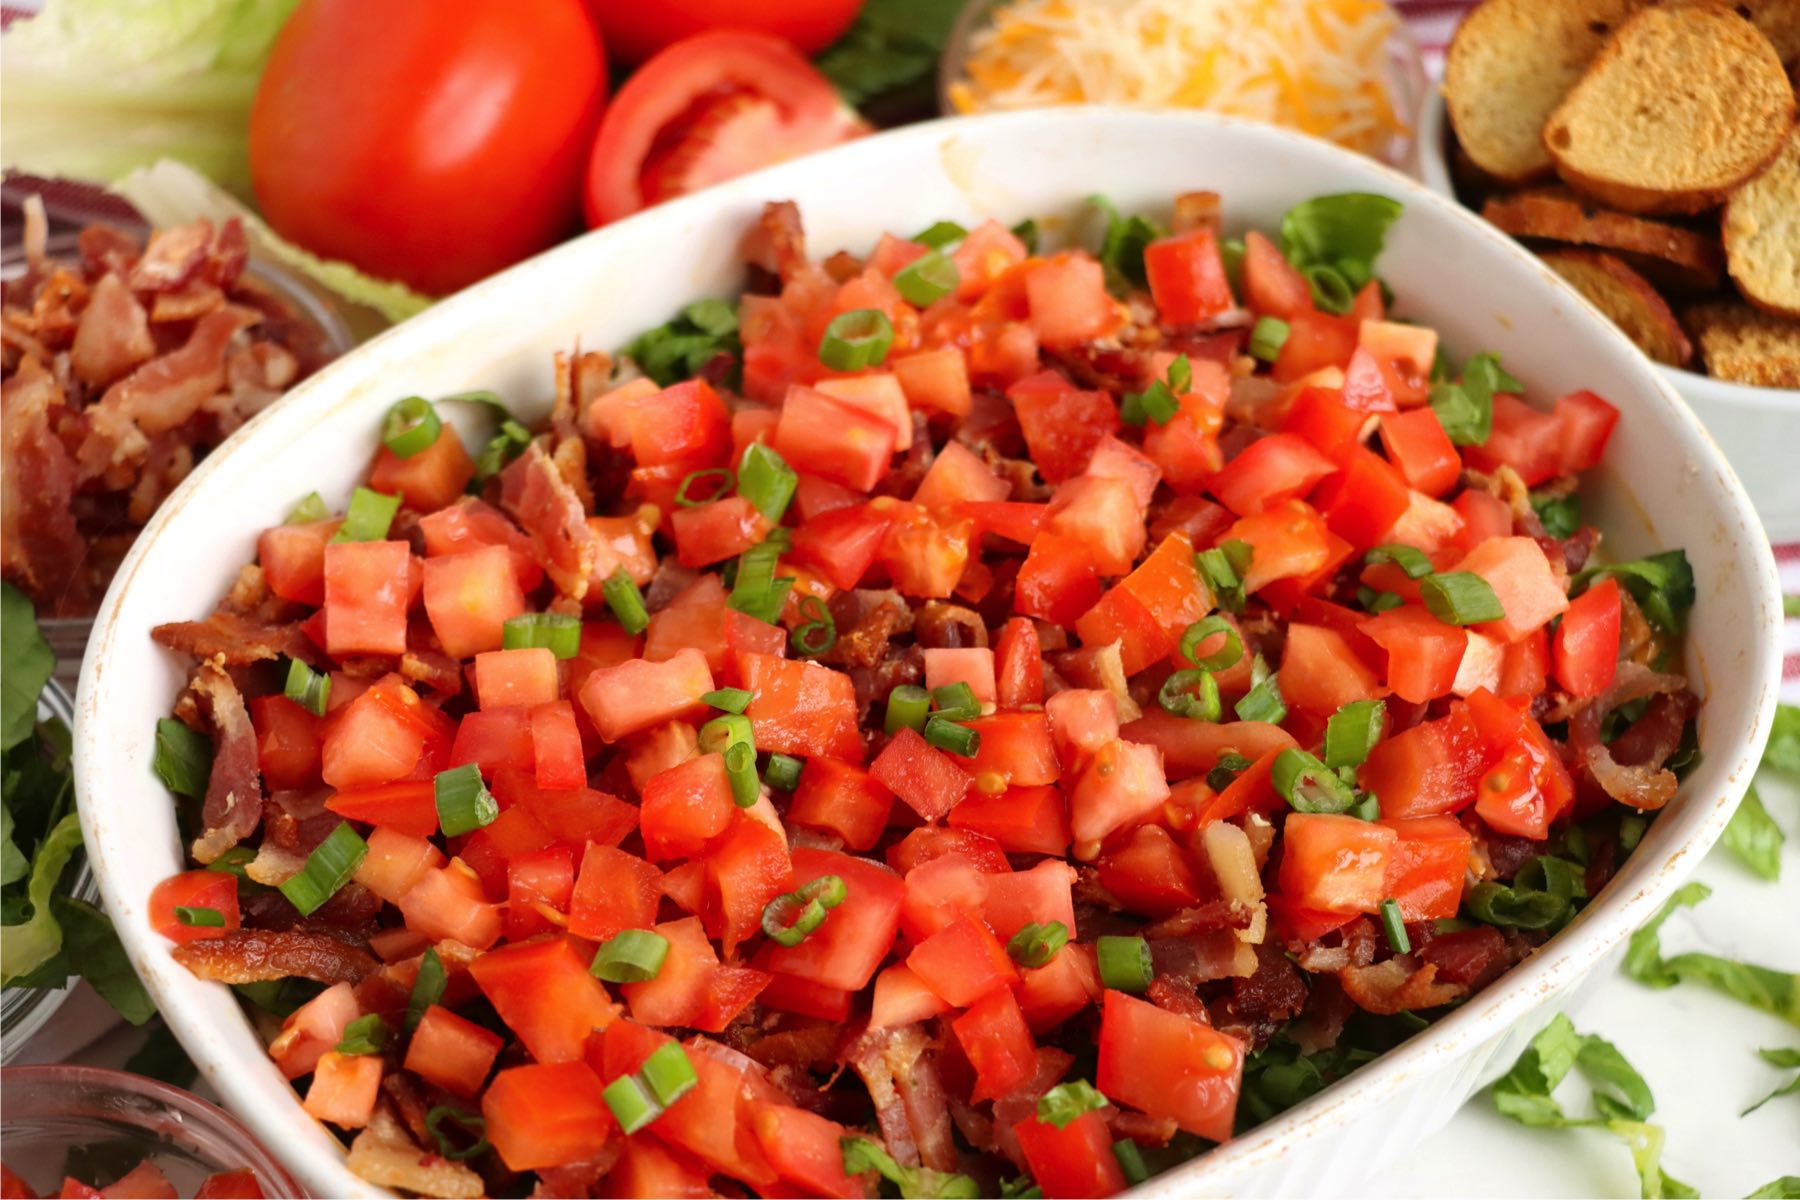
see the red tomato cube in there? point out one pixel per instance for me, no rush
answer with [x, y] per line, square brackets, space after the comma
[1337, 862]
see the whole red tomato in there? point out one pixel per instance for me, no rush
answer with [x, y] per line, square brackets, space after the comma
[429, 141]
[636, 29]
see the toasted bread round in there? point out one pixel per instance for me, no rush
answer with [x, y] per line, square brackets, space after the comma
[1746, 345]
[1762, 234]
[1668, 255]
[1626, 297]
[1510, 64]
[1680, 107]
[1779, 21]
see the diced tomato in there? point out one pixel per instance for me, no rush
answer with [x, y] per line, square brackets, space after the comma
[928, 779]
[1429, 769]
[429, 479]
[1187, 277]
[1273, 469]
[1082, 720]
[1420, 449]
[229, 1185]
[1426, 867]
[1104, 515]
[1586, 646]
[1271, 286]
[1015, 899]
[490, 850]
[469, 598]
[1362, 502]
[1528, 441]
[958, 475]
[804, 1148]
[1121, 786]
[524, 678]
[1068, 984]
[293, 559]
[971, 665]
[962, 962]
[536, 881]
[1423, 653]
[984, 256]
[1016, 749]
[314, 1028]
[637, 694]
[368, 588]
[684, 423]
[1150, 873]
[451, 903]
[1062, 424]
[685, 807]
[1320, 415]
[1333, 861]
[717, 530]
[574, 817]
[746, 869]
[677, 995]
[547, 1115]
[846, 949]
[1528, 788]
[1586, 423]
[1370, 385]
[395, 862]
[614, 891]
[1058, 581]
[878, 394]
[935, 379]
[451, 1052]
[935, 841]
[833, 439]
[1321, 673]
[841, 799]
[926, 556]
[470, 524]
[287, 742]
[494, 738]
[939, 892]
[1019, 665]
[790, 993]
[1013, 520]
[1194, 747]
[1169, 1066]
[344, 1088]
[801, 707]
[145, 1181]
[211, 891]
[902, 998]
[1074, 1159]
[556, 746]
[544, 993]
[1527, 586]
[997, 1043]
[1315, 341]
[1067, 299]
[1484, 517]
[1286, 541]
[1524, 666]
[408, 806]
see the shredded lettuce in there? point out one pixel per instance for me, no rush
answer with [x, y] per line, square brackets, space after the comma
[1754, 836]
[1775, 992]
[172, 193]
[95, 88]
[29, 944]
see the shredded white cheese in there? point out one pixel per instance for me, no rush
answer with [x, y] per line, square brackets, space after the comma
[1320, 66]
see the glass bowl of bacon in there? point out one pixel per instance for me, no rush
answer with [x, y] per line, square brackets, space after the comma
[126, 360]
[88, 1131]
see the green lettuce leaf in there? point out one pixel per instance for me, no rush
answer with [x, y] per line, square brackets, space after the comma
[1785, 1188]
[29, 944]
[1775, 992]
[1754, 836]
[95, 88]
[170, 193]
[1783, 751]
[26, 663]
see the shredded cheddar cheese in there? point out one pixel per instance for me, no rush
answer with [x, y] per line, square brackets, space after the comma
[1320, 66]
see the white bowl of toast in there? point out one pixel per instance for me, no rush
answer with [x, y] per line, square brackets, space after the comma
[1648, 152]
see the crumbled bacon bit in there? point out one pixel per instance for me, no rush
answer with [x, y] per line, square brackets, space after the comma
[259, 955]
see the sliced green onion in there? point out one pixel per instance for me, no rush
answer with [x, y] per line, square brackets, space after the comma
[368, 518]
[940, 234]
[411, 426]
[184, 758]
[1263, 701]
[740, 769]
[1408, 558]
[684, 495]
[818, 634]
[427, 988]
[1027, 231]
[1222, 659]
[463, 802]
[1461, 598]
[668, 1073]
[783, 772]
[1267, 337]
[1155, 403]
[631, 1106]
[1066, 1101]
[1331, 291]
[1308, 785]
[955, 702]
[311, 508]
[327, 869]
[1394, 927]
[723, 732]
[946, 734]
[1180, 375]
[756, 591]
[634, 956]
[1631, 830]
[1226, 771]
[1124, 962]
[233, 862]
[1223, 567]
[929, 277]
[308, 688]
[1352, 732]
[1131, 1161]
[365, 1035]
[1376, 602]
[486, 397]
[856, 339]
[559, 633]
[1036, 944]
[626, 602]
[1193, 694]
[766, 481]
[731, 700]
[829, 890]
[789, 919]
[200, 918]
[907, 706]
[467, 1122]
[1367, 807]
[501, 449]
[1231, 250]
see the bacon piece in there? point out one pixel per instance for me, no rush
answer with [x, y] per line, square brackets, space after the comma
[172, 257]
[39, 542]
[808, 1047]
[232, 639]
[547, 508]
[1262, 1002]
[867, 620]
[941, 626]
[113, 335]
[259, 955]
[191, 301]
[1022, 1101]
[1397, 985]
[1140, 1127]
[1168, 994]
[227, 254]
[234, 794]
[1467, 958]
[385, 1155]
[777, 242]
[107, 248]
[1197, 210]
[1641, 781]
[433, 668]
[914, 1064]
[1322, 1023]
[1205, 917]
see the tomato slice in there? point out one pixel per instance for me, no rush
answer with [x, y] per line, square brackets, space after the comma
[707, 109]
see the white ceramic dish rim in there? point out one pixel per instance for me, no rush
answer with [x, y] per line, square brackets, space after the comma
[280, 1122]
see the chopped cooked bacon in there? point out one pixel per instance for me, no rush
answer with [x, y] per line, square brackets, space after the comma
[385, 1155]
[578, 1179]
[1321, 1023]
[166, 391]
[42, 548]
[534, 491]
[941, 626]
[228, 254]
[1467, 958]
[113, 335]
[867, 621]
[899, 1068]
[234, 794]
[433, 668]
[1022, 1101]
[777, 243]
[1140, 1127]
[1205, 917]
[172, 257]
[1166, 993]
[1351, 946]
[1197, 210]
[1641, 781]
[807, 1047]
[107, 248]
[865, 1057]
[232, 639]
[1398, 985]
[166, 464]
[191, 301]
[1262, 1002]
[259, 955]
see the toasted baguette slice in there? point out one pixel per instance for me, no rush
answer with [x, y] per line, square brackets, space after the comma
[1779, 21]
[1510, 64]
[1668, 255]
[1744, 345]
[1762, 234]
[1627, 297]
[1682, 106]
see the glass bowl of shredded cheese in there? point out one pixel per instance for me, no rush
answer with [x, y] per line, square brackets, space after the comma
[1343, 70]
